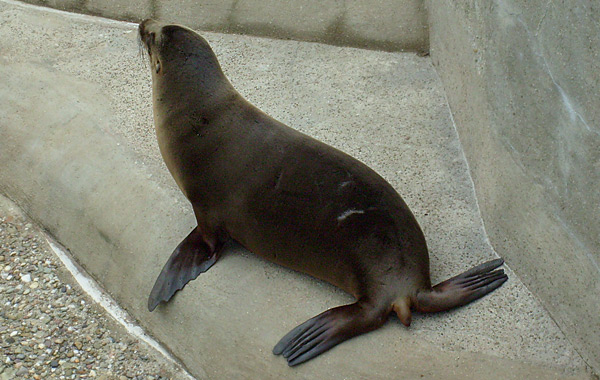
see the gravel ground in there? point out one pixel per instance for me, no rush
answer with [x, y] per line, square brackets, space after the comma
[50, 328]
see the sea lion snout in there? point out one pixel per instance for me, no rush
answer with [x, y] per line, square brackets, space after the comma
[147, 32]
[145, 26]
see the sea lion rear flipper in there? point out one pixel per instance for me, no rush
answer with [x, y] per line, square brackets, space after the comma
[328, 329]
[462, 289]
[191, 257]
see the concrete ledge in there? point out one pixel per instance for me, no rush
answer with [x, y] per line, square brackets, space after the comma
[393, 25]
[79, 157]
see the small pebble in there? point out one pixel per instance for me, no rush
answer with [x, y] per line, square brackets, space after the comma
[22, 371]
[47, 326]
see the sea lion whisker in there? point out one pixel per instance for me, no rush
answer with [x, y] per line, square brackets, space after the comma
[141, 50]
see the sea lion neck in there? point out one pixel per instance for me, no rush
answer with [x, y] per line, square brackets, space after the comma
[183, 65]
[191, 66]
[195, 81]
[190, 75]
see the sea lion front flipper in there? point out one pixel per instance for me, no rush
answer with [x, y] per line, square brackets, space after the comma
[462, 289]
[191, 257]
[329, 329]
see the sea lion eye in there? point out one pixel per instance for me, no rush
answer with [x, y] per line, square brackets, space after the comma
[157, 67]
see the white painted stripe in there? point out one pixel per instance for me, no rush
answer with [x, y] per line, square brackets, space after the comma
[92, 288]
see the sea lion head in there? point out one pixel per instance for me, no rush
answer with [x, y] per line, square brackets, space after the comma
[179, 56]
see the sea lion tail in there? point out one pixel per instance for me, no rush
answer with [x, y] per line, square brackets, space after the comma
[462, 289]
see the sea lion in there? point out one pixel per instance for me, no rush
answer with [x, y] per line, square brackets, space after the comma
[288, 198]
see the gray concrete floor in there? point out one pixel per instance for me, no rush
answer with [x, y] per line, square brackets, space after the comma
[386, 109]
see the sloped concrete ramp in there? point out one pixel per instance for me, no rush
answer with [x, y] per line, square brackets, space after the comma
[78, 154]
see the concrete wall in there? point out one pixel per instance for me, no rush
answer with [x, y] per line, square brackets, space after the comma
[523, 82]
[392, 25]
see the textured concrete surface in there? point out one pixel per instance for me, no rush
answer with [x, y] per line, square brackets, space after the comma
[55, 323]
[393, 25]
[523, 80]
[79, 156]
